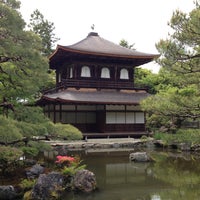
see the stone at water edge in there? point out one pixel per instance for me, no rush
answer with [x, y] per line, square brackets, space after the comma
[7, 192]
[85, 181]
[46, 185]
[140, 157]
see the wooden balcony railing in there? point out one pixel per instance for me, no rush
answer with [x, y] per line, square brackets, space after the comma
[96, 84]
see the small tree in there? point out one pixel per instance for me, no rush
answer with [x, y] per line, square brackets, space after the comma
[45, 30]
[124, 43]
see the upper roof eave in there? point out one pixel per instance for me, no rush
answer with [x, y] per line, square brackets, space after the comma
[70, 50]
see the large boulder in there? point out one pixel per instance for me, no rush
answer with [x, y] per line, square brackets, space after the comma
[48, 185]
[140, 157]
[84, 181]
[7, 192]
[35, 171]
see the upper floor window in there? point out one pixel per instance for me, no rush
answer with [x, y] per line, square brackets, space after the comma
[71, 72]
[105, 72]
[85, 71]
[124, 74]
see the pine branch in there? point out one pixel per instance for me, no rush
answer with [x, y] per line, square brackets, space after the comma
[4, 59]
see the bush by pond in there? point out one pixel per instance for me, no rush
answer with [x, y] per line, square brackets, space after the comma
[9, 132]
[182, 136]
[9, 158]
[67, 131]
[27, 127]
[28, 122]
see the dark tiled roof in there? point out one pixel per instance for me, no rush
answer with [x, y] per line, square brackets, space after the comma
[96, 45]
[92, 96]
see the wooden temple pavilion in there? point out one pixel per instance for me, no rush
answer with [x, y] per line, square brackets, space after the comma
[95, 88]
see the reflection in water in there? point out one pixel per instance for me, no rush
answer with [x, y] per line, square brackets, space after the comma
[120, 179]
[155, 197]
[172, 176]
[124, 173]
[182, 172]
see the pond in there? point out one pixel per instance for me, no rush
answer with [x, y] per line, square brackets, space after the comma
[173, 176]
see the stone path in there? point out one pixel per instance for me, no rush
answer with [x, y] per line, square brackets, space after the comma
[94, 141]
[98, 143]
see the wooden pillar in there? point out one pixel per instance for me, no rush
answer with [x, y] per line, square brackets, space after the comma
[60, 112]
[54, 113]
[116, 73]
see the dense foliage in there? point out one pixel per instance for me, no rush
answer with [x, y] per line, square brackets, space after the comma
[23, 74]
[23, 69]
[9, 159]
[177, 98]
[191, 136]
[9, 132]
[30, 122]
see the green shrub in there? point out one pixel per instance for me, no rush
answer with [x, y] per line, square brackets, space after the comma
[67, 132]
[30, 151]
[29, 129]
[182, 136]
[39, 129]
[27, 184]
[72, 170]
[34, 148]
[30, 121]
[8, 131]
[26, 129]
[41, 146]
[154, 122]
[30, 114]
[69, 165]
[9, 158]
[50, 126]
[189, 135]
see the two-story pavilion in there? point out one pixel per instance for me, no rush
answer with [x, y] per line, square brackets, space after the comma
[95, 87]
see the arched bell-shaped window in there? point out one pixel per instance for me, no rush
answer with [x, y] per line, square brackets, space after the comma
[85, 71]
[105, 72]
[124, 74]
[71, 72]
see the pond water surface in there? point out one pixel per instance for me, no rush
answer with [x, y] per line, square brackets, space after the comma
[174, 176]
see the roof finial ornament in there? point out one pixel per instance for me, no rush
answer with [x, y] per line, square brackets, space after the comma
[92, 27]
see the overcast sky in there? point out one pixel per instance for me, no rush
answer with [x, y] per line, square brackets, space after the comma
[142, 22]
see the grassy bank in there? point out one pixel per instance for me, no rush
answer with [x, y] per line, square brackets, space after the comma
[191, 136]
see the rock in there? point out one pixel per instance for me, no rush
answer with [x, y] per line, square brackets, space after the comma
[7, 192]
[140, 157]
[35, 171]
[116, 145]
[48, 185]
[185, 146]
[195, 147]
[85, 181]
